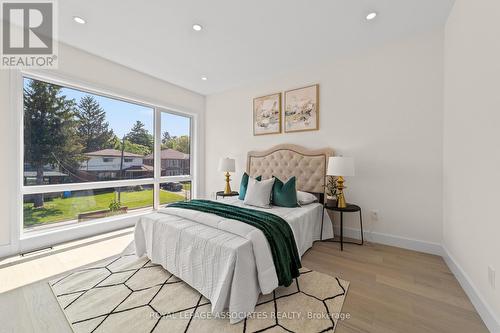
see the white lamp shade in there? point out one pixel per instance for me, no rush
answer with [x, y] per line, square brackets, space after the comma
[340, 166]
[227, 165]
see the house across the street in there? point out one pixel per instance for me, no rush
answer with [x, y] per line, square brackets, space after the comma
[173, 162]
[50, 175]
[106, 165]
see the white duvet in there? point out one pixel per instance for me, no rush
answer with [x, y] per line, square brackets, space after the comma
[227, 261]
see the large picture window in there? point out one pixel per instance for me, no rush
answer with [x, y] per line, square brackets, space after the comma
[175, 145]
[76, 141]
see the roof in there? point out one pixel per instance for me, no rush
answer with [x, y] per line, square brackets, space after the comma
[144, 168]
[112, 153]
[170, 154]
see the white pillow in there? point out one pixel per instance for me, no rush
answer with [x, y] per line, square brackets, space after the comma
[306, 198]
[259, 193]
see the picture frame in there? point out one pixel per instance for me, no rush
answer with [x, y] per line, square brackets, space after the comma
[267, 114]
[302, 109]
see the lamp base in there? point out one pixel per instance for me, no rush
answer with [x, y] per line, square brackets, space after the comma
[341, 201]
[340, 195]
[227, 189]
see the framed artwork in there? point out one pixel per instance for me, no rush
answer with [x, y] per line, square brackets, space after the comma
[302, 109]
[267, 114]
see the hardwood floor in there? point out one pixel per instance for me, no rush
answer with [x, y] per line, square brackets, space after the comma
[396, 290]
[391, 290]
[20, 271]
[27, 304]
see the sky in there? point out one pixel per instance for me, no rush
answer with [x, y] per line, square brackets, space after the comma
[121, 115]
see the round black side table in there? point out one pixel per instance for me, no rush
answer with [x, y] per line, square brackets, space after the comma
[349, 209]
[221, 194]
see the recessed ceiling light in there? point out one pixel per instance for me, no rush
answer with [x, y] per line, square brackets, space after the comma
[371, 16]
[204, 78]
[197, 27]
[79, 20]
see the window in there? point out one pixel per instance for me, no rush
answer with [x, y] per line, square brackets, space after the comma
[82, 136]
[85, 205]
[174, 191]
[75, 141]
[175, 145]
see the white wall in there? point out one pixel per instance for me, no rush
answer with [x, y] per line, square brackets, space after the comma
[97, 72]
[384, 107]
[7, 149]
[472, 146]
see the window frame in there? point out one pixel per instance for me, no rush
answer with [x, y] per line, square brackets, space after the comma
[18, 96]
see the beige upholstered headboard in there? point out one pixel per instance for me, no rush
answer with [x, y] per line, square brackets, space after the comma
[284, 161]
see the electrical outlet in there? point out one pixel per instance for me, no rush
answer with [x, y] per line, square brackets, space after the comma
[491, 276]
[374, 215]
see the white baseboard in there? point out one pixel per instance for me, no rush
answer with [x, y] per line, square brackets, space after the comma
[489, 317]
[398, 241]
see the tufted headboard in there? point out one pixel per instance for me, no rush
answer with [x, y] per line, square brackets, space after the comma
[284, 161]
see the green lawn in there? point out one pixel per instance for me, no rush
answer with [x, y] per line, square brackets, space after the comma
[66, 209]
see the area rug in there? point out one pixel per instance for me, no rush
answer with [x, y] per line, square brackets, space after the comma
[130, 294]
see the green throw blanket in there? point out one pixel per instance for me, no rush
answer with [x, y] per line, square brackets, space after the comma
[278, 233]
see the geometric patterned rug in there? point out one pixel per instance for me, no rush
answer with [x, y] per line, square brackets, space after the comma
[130, 294]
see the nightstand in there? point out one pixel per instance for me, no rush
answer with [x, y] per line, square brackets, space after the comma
[349, 209]
[221, 194]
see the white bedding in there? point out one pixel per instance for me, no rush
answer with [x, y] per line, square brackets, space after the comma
[227, 261]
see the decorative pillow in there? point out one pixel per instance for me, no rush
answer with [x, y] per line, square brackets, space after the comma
[259, 193]
[244, 184]
[305, 198]
[285, 194]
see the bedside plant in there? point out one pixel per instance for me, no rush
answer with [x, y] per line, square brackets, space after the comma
[331, 189]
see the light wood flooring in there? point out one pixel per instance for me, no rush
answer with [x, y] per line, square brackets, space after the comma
[391, 290]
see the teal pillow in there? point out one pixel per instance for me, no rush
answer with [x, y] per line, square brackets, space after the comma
[285, 195]
[244, 185]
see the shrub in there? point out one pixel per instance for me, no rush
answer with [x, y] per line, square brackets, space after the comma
[115, 206]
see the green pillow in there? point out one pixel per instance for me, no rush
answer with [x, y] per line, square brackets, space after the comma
[244, 185]
[285, 195]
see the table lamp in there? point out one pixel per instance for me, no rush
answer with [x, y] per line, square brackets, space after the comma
[340, 167]
[227, 165]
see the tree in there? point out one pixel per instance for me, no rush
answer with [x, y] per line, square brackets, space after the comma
[139, 135]
[49, 130]
[182, 144]
[170, 143]
[179, 143]
[130, 147]
[93, 130]
[166, 138]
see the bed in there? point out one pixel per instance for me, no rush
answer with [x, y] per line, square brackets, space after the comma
[228, 261]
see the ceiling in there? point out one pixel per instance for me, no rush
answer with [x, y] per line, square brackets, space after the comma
[242, 41]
